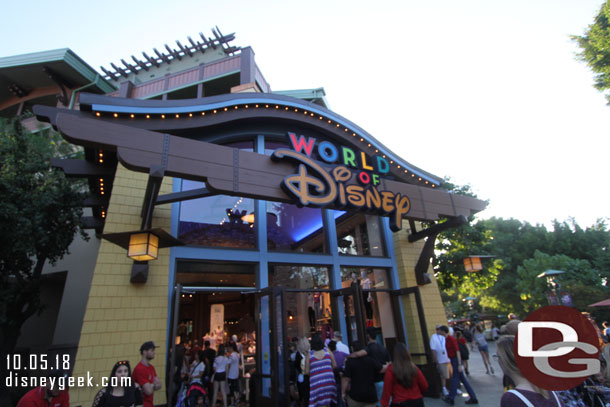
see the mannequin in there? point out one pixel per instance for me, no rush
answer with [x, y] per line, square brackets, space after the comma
[367, 298]
[310, 310]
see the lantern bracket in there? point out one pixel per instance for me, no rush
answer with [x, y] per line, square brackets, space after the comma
[436, 228]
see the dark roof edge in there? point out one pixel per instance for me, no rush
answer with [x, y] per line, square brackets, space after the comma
[111, 104]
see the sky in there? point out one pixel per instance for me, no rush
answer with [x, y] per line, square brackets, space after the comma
[486, 92]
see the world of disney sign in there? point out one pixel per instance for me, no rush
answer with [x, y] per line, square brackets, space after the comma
[315, 185]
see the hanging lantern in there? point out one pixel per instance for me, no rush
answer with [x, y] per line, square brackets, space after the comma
[473, 264]
[143, 246]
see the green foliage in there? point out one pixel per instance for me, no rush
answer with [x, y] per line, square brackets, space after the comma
[595, 48]
[40, 211]
[580, 280]
[521, 252]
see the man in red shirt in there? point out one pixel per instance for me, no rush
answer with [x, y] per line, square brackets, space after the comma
[453, 351]
[47, 396]
[145, 374]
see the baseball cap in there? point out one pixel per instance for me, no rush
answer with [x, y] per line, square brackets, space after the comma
[148, 345]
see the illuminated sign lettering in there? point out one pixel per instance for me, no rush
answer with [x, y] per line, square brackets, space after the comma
[314, 185]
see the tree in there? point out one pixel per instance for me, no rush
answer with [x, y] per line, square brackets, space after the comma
[40, 211]
[595, 48]
[580, 280]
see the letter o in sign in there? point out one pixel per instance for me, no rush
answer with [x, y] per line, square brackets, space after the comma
[328, 152]
[364, 177]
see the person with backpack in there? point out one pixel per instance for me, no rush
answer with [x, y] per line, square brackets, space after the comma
[464, 352]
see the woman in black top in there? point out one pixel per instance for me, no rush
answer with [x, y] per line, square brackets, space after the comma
[120, 392]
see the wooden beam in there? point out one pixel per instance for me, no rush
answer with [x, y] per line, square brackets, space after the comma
[197, 45]
[162, 56]
[173, 52]
[140, 63]
[119, 70]
[129, 66]
[107, 72]
[183, 196]
[153, 61]
[227, 170]
[34, 94]
[81, 168]
[185, 50]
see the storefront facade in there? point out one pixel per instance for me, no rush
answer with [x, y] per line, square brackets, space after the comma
[286, 219]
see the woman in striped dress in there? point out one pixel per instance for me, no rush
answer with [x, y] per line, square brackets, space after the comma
[320, 365]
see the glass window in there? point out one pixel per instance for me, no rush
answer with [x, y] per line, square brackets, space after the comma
[307, 312]
[215, 274]
[272, 145]
[367, 278]
[298, 277]
[290, 228]
[219, 220]
[359, 234]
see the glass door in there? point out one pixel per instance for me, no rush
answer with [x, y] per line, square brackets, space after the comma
[271, 350]
[349, 311]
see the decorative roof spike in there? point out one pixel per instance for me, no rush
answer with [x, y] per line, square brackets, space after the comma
[172, 53]
[119, 70]
[140, 63]
[128, 66]
[152, 61]
[197, 45]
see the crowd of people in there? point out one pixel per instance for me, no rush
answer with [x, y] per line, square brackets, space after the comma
[333, 374]
[329, 373]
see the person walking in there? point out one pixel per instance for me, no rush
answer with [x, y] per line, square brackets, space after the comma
[233, 373]
[119, 392]
[195, 380]
[458, 371]
[300, 363]
[377, 352]
[479, 339]
[524, 393]
[340, 357]
[358, 382]
[145, 375]
[220, 376]
[319, 366]
[440, 358]
[464, 352]
[404, 384]
[209, 355]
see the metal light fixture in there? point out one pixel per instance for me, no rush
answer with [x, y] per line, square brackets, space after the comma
[143, 246]
[473, 262]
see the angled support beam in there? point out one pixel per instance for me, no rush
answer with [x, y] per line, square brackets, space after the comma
[95, 201]
[81, 168]
[183, 196]
[153, 186]
[436, 228]
[421, 268]
[61, 82]
[89, 222]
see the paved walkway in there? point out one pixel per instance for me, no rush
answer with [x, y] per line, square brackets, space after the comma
[487, 387]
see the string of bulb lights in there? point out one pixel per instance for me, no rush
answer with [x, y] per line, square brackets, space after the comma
[307, 113]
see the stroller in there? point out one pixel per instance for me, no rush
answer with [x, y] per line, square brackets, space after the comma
[188, 395]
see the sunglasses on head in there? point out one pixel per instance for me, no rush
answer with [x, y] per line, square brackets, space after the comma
[122, 362]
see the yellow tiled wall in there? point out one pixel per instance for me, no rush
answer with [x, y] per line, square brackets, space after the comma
[120, 316]
[407, 255]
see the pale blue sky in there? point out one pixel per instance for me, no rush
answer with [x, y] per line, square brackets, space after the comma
[485, 91]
